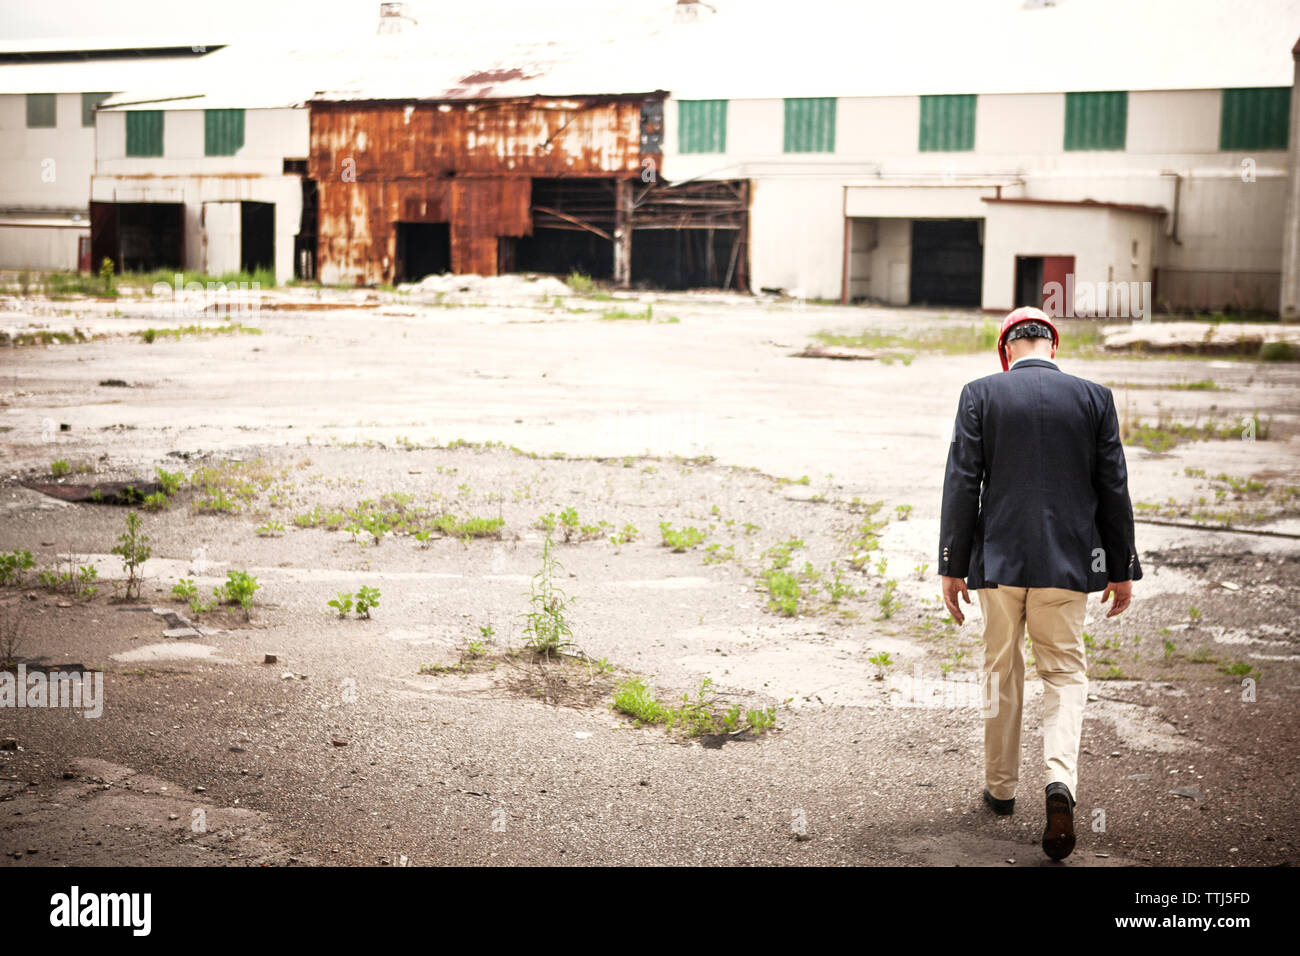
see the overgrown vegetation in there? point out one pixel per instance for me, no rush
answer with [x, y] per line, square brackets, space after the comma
[546, 628]
[238, 590]
[691, 715]
[133, 548]
[366, 598]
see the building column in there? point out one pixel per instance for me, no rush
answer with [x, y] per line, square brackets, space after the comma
[623, 233]
[1289, 307]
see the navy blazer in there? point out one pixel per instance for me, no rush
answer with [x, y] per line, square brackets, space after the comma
[1036, 490]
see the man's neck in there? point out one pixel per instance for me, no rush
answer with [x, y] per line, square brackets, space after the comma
[1045, 358]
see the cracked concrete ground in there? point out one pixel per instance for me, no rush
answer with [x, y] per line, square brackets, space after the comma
[366, 743]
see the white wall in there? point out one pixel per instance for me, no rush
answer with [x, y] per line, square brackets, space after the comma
[44, 169]
[797, 221]
[27, 246]
[270, 137]
[1100, 240]
[183, 174]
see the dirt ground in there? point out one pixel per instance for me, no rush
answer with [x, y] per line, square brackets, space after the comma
[394, 740]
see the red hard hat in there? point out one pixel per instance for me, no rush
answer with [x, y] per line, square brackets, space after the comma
[1025, 314]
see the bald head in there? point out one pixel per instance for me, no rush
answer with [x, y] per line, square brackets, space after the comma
[1026, 348]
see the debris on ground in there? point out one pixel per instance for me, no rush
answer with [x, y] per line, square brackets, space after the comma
[826, 352]
[489, 289]
[103, 493]
[1233, 338]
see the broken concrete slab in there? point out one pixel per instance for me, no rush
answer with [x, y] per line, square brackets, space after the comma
[843, 354]
[1227, 337]
[102, 493]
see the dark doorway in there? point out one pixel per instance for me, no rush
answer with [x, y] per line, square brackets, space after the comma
[304, 244]
[1042, 281]
[687, 258]
[423, 249]
[139, 236]
[947, 262]
[561, 251]
[256, 236]
[1029, 281]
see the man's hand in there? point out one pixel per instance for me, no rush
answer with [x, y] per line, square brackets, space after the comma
[1123, 591]
[951, 588]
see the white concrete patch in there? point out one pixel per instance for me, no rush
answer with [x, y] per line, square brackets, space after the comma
[172, 650]
[1136, 726]
[668, 584]
[433, 634]
[807, 674]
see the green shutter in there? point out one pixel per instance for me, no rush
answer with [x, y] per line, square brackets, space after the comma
[42, 111]
[223, 132]
[144, 133]
[88, 103]
[1255, 118]
[701, 126]
[810, 125]
[947, 123]
[1096, 120]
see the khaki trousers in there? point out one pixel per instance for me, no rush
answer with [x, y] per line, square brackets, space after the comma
[1054, 617]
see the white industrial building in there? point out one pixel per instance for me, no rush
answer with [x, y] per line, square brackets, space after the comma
[967, 153]
[950, 153]
[48, 93]
[204, 169]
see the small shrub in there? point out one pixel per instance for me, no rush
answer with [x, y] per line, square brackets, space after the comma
[546, 630]
[679, 539]
[171, 481]
[636, 700]
[367, 598]
[1277, 352]
[59, 468]
[12, 566]
[342, 604]
[133, 548]
[238, 589]
[580, 282]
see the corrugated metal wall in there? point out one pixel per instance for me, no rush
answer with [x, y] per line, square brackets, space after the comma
[810, 125]
[144, 133]
[467, 164]
[1255, 118]
[223, 132]
[42, 110]
[1096, 120]
[702, 126]
[947, 123]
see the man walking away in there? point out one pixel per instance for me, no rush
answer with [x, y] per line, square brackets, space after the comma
[1036, 514]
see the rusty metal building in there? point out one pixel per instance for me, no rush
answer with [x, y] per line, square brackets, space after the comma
[484, 185]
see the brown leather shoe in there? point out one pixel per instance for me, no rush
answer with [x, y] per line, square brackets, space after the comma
[1002, 808]
[1058, 836]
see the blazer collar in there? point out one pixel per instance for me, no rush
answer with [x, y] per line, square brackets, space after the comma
[1034, 363]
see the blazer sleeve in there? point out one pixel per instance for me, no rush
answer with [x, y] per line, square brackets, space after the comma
[1114, 509]
[961, 489]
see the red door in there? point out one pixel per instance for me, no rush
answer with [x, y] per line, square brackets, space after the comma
[1056, 290]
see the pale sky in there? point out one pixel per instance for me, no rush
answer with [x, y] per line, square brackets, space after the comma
[167, 19]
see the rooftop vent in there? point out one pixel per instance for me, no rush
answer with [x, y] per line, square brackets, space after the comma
[691, 11]
[394, 17]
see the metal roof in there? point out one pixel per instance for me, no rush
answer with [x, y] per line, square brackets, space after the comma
[749, 49]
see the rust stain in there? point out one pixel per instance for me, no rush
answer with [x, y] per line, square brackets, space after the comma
[498, 76]
[468, 164]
